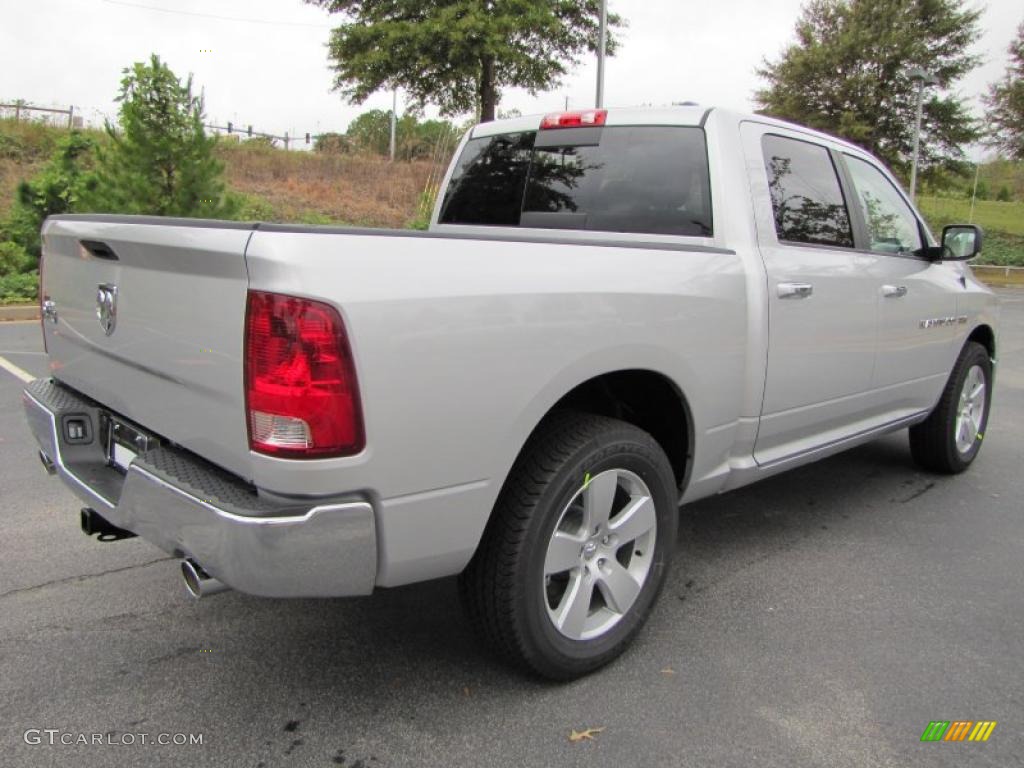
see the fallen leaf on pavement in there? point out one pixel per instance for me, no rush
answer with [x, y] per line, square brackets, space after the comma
[588, 734]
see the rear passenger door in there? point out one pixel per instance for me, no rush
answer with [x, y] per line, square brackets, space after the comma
[822, 295]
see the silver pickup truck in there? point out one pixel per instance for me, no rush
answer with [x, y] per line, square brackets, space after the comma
[613, 313]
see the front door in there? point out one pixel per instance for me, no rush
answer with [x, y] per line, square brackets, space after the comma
[917, 322]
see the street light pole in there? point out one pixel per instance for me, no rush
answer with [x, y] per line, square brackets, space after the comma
[601, 46]
[922, 79]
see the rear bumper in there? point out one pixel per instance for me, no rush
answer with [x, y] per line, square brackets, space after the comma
[188, 508]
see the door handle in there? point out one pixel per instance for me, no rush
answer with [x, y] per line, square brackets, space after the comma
[794, 290]
[894, 291]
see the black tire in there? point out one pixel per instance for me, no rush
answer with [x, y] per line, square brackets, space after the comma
[933, 442]
[504, 589]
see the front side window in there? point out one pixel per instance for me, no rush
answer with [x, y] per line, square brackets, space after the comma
[807, 200]
[892, 226]
[648, 179]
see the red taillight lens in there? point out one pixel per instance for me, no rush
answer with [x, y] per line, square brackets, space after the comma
[302, 399]
[582, 119]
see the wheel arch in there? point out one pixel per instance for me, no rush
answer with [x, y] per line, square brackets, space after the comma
[645, 398]
[984, 335]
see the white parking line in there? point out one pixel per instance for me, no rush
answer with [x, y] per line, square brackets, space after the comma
[14, 370]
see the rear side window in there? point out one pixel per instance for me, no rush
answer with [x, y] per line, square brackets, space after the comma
[487, 184]
[807, 201]
[651, 180]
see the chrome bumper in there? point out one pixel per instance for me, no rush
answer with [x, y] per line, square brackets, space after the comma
[191, 509]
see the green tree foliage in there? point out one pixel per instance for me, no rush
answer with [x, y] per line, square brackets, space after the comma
[847, 73]
[458, 54]
[59, 187]
[414, 139]
[1005, 102]
[332, 144]
[160, 160]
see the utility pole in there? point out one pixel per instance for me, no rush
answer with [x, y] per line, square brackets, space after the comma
[394, 123]
[922, 79]
[601, 46]
[974, 192]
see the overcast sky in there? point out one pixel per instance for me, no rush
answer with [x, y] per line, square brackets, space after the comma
[271, 71]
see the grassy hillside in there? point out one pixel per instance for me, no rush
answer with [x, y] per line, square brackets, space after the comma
[276, 185]
[1001, 217]
[24, 149]
[323, 189]
[1003, 224]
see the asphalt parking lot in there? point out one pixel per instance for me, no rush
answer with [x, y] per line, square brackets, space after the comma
[820, 618]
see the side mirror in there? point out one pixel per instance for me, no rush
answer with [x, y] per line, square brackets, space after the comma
[961, 242]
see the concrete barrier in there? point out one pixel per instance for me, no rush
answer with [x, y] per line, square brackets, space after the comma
[19, 312]
[996, 275]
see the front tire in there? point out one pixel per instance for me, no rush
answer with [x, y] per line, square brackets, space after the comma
[577, 548]
[950, 438]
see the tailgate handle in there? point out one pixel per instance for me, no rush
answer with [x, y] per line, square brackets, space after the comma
[99, 250]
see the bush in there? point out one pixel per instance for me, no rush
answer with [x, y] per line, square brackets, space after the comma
[58, 188]
[19, 288]
[253, 208]
[424, 209]
[14, 259]
[1003, 250]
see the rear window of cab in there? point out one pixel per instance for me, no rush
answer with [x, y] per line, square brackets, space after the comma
[637, 179]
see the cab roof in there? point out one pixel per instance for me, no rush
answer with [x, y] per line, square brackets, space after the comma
[688, 115]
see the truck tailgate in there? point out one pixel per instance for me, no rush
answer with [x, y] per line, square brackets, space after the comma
[166, 350]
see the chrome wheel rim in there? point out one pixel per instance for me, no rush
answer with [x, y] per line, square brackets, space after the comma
[971, 410]
[600, 554]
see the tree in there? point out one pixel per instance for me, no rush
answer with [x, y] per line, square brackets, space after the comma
[414, 140]
[160, 160]
[371, 131]
[458, 54]
[332, 144]
[847, 73]
[59, 187]
[1005, 102]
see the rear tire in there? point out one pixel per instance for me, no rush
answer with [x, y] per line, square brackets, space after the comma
[577, 548]
[950, 438]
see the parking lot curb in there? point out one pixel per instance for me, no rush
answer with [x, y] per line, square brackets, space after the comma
[997, 275]
[19, 312]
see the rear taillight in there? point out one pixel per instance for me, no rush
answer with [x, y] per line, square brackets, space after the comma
[302, 400]
[582, 119]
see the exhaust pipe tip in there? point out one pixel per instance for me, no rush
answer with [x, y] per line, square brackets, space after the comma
[47, 464]
[198, 583]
